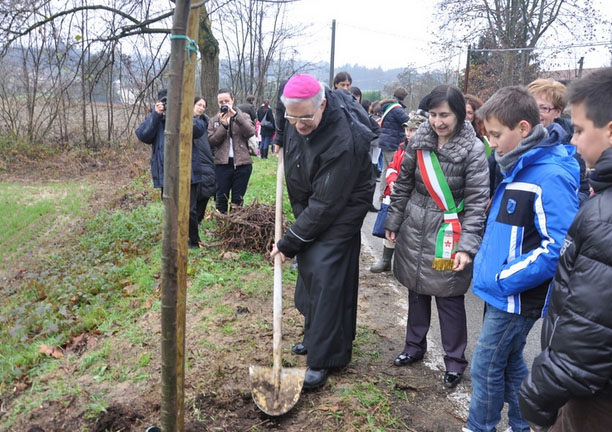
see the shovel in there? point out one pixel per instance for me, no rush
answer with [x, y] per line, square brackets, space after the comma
[275, 391]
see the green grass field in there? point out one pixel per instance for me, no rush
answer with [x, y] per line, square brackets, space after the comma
[29, 212]
[102, 282]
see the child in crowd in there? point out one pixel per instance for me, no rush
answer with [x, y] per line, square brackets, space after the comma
[410, 127]
[529, 216]
[550, 97]
[570, 384]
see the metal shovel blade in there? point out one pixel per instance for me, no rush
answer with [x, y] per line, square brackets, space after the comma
[273, 401]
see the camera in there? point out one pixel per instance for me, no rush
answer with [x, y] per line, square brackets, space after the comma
[223, 109]
[164, 102]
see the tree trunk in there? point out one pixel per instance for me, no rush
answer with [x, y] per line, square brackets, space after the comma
[83, 89]
[508, 68]
[209, 50]
[177, 175]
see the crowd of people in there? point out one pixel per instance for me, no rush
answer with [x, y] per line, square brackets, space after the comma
[221, 163]
[507, 196]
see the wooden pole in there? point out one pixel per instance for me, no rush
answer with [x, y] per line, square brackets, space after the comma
[177, 179]
[466, 77]
[333, 53]
[186, 140]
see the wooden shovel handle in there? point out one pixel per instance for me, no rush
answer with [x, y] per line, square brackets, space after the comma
[278, 276]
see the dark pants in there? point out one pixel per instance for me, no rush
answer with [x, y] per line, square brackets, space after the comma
[197, 207]
[264, 145]
[326, 294]
[234, 179]
[453, 328]
[592, 414]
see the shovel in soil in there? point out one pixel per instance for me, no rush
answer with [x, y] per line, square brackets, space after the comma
[276, 390]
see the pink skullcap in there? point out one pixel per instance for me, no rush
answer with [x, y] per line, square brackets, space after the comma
[301, 86]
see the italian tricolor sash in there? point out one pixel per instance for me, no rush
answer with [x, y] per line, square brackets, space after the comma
[488, 148]
[389, 108]
[449, 233]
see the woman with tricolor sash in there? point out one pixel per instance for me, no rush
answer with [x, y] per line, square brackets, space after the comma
[436, 217]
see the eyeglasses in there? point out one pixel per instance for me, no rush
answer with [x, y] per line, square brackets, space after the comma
[544, 109]
[304, 119]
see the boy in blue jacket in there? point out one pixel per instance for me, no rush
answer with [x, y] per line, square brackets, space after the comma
[530, 213]
[570, 384]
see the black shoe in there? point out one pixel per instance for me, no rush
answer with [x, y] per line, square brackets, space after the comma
[315, 378]
[451, 379]
[405, 359]
[299, 349]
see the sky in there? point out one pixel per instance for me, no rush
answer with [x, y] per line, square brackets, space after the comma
[394, 33]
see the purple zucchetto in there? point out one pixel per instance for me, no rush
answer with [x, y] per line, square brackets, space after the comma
[301, 86]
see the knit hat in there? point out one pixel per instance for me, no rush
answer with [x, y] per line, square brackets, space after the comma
[415, 120]
[301, 86]
[162, 94]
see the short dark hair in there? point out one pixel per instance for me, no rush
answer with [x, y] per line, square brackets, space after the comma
[510, 105]
[250, 99]
[365, 103]
[355, 91]
[226, 90]
[342, 76]
[454, 97]
[595, 92]
[400, 93]
[197, 99]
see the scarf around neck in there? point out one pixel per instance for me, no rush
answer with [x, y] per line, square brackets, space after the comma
[507, 161]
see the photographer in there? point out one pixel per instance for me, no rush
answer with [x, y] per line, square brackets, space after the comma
[228, 133]
[151, 132]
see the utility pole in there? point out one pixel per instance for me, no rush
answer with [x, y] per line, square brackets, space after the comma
[333, 52]
[581, 63]
[466, 77]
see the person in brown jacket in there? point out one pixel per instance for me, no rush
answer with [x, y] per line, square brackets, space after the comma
[228, 133]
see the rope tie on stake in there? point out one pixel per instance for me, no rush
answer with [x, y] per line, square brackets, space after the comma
[191, 45]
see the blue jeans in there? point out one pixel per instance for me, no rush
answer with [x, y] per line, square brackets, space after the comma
[497, 370]
[266, 140]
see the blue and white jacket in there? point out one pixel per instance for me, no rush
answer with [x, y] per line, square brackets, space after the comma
[530, 213]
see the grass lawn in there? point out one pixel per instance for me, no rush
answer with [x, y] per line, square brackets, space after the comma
[31, 211]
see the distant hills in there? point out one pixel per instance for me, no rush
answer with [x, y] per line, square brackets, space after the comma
[363, 77]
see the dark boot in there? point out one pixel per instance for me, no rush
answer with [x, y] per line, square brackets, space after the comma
[383, 264]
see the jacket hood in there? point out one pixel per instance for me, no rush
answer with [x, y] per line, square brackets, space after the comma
[394, 101]
[556, 134]
[341, 103]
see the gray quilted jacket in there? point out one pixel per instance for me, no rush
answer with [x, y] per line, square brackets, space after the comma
[416, 218]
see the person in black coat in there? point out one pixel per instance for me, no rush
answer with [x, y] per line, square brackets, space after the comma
[569, 388]
[330, 185]
[249, 108]
[391, 129]
[203, 183]
[151, 131]
[267, 127]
